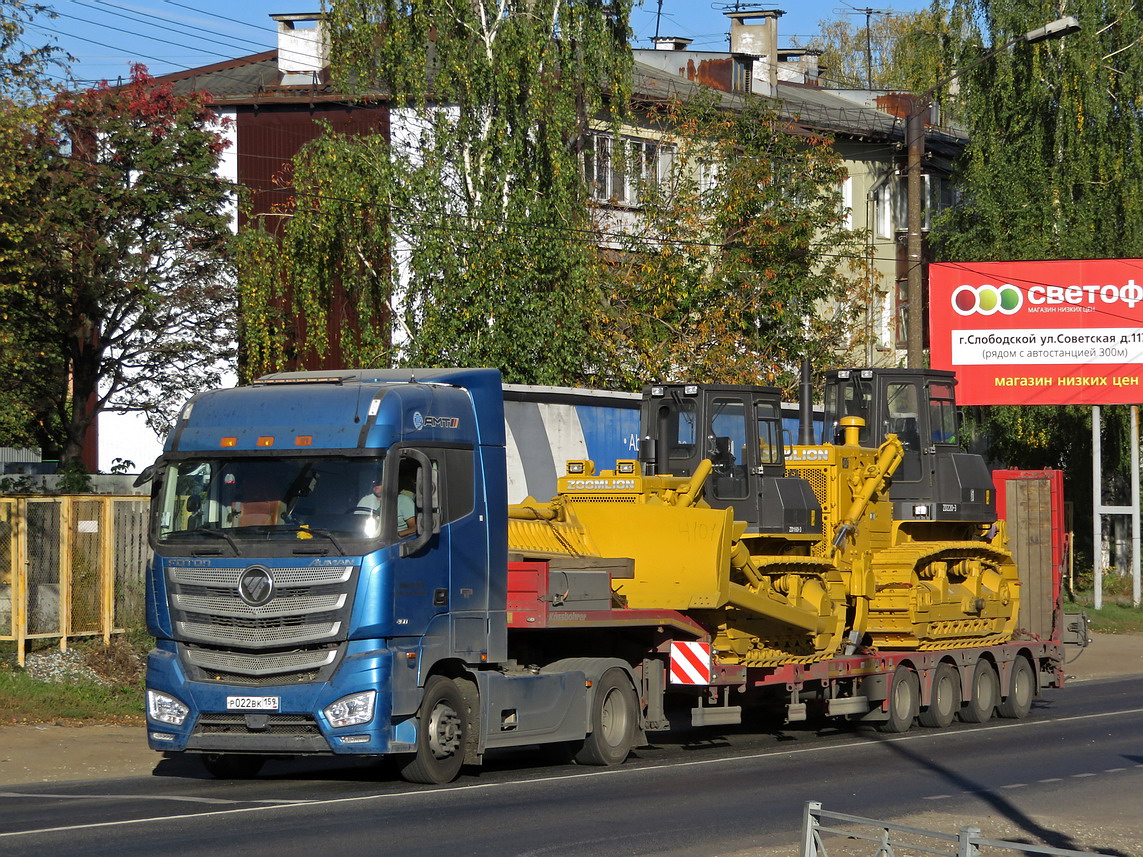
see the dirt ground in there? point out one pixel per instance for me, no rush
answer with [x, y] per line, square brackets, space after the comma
[52, 753]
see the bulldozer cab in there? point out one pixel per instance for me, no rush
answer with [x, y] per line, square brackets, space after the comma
[739, 429]
[937, 480]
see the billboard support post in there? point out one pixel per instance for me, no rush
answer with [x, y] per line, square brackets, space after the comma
[1099, 509]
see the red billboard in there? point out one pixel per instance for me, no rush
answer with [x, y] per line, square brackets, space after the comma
[1039, 333]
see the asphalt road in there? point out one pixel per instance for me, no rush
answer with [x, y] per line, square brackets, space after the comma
[1051, 778]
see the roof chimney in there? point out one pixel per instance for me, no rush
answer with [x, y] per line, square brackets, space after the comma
[671, 43]
[303, 48]
[758, 40]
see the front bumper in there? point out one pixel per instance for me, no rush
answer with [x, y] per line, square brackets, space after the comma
[297, 727]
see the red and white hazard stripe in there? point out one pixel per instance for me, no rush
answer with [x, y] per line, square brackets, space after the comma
[690, 663]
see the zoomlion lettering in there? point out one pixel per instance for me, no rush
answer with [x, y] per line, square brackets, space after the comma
[808, 455]
[600, 484]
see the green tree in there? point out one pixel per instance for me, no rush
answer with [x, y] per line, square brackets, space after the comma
[1051, 172]
[473, 220]
[741, 263]
[116, 292]
[902, 51]
[24, 84]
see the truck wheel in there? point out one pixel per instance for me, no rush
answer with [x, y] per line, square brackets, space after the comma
[984, 693]
[1021, 689]
[232, 766]
[945, 701]
[442, 724]
[904, 701]
[614, 716]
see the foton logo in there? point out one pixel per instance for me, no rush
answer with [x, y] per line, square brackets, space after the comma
[986, 300]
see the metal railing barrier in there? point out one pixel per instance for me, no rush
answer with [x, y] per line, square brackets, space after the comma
[889, 839]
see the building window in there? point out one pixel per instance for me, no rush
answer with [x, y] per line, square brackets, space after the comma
[615, 175]
[892, 203]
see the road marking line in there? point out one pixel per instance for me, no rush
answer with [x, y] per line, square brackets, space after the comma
[176, 798]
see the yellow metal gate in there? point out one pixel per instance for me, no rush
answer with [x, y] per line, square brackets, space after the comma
[71, 566]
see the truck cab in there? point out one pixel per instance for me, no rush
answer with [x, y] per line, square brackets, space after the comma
[937, 480]
[739, 429]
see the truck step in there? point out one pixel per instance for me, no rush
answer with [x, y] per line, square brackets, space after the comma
[727, 715]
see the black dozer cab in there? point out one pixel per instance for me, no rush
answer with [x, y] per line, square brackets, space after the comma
[937, 481]
[739, 428]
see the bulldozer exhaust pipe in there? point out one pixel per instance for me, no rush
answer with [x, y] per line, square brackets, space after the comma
[806, 407]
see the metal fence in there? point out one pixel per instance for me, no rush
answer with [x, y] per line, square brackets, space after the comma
[887, 840]
[71, 566]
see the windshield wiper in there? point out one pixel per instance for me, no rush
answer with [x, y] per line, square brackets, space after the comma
[320, 531]
[218, 534]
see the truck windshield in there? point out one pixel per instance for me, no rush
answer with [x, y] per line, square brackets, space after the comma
[271, 497]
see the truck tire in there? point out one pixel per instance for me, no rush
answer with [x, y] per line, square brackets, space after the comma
[984, 693]
[945, 701]
[614, 721]
[904, 701]
[232, 766]
[442, 726]
[1021, 690]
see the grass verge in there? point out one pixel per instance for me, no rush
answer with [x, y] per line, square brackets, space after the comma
[93, 683]
[25, 700]
[1116, 616]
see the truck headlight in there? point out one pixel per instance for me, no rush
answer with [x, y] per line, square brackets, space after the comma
[352, 710]
[164, 708]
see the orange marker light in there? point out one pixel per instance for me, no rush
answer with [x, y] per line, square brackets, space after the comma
[228, 441]
[266, 440]
[303, 440]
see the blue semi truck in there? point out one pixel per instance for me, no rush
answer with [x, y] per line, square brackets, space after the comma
[331, 576]
[289, 620]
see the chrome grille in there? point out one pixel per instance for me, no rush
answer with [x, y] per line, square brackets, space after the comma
[267, 663]
[309, 611]
[262, 680]
[284, 604]
[259, 633]
[227, 578]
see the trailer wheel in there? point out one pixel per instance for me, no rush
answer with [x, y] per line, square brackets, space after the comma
[442, 724]
[614, 716]
[904, 701]
[945, 701]
[984, 693]
[232, 766]
[1021, 689]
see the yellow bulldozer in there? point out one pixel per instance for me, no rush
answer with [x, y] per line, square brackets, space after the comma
[786, 553]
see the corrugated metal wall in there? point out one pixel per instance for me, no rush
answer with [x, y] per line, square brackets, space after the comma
[268, 138]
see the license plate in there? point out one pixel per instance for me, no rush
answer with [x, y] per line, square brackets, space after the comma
[252, 703]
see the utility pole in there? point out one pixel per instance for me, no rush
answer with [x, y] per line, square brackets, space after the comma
[868, 13]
